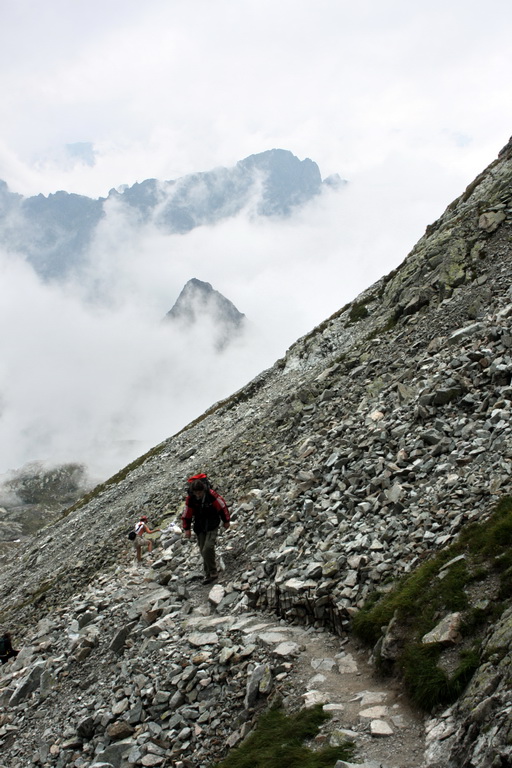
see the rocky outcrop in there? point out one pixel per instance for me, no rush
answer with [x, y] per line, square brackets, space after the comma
[35, 495]
[476, 731]
[370, 446]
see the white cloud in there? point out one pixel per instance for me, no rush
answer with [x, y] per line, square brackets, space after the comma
[164, 89]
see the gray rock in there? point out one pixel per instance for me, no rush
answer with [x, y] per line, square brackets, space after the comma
[27, 685]
[119, 639]
[114, 753]
[260, 673]
[446, 632]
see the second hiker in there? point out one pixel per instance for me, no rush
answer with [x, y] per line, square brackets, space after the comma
[204, 510]
[6, 650]
[141, 529]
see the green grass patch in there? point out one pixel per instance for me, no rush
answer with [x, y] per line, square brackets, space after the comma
[416, 600]
[358, 311]
[439, 587]
[505, 591]
[427, 684]
[493, 538]
[278, 742]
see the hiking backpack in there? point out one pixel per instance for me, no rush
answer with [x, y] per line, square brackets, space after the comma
[201, 476]
[133, 533]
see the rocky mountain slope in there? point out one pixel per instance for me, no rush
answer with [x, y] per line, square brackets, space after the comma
[373, 444]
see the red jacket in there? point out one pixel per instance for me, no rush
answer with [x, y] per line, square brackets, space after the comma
[206, 513]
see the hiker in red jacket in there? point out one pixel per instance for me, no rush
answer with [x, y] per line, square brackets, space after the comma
[204, 510]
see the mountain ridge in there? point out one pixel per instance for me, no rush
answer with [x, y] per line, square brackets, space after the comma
[54, 232]
[372, 444]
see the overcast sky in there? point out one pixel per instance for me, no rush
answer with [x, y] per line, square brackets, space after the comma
[167, 87]
[407, 101]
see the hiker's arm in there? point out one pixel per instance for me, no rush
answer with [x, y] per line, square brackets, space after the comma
[186, 518]
[147, 529]
[221, 506]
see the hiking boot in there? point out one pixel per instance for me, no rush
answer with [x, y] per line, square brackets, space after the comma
[210, 578]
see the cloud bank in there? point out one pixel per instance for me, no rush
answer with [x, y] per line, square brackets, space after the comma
[95, 376]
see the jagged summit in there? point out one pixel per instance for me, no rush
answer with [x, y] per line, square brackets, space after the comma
[199, 302]
[54, 232]
[287, 182]
[378, 439]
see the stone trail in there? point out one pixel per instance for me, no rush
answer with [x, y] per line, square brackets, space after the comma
[147, 676]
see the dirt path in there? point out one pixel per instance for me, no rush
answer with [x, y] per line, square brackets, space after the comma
[368, 710]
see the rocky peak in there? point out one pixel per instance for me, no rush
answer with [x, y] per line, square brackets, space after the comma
[288, 181]
[199, 302]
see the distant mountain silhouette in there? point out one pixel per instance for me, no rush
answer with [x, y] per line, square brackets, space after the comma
[53, 233]
[199, 302]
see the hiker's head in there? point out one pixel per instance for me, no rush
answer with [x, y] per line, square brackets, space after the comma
[197, 488]
[143, 518]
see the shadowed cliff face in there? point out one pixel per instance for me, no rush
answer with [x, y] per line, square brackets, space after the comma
[35, 495]
[378, 438]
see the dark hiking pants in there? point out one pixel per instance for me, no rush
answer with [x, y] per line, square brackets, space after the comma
[206, 543]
